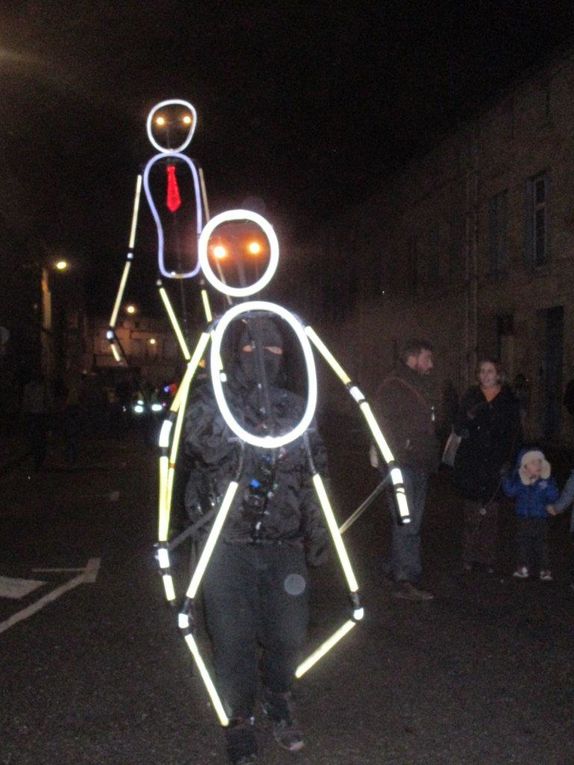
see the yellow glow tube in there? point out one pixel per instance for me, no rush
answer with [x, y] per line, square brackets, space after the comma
[380, 440]
[120, 295]
[191, 369]
[115, 352]
[324, 648]
[206, 306]
[203, 193]
[327, 355]
[175, 324]
[210, 687]
[135, 213]
[333, 528]
[211, 540]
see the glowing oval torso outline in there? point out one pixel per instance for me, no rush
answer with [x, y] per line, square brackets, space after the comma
[155, 214]
[217, 376]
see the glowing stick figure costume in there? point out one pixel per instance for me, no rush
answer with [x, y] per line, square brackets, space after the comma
[178, 217]
[248, 436]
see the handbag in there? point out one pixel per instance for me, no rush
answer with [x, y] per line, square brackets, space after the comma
[450, 449]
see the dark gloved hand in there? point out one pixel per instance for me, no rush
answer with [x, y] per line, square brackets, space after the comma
[316, 554]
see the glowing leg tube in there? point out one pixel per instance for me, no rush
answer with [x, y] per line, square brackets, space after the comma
[174, 323]
[121, 288]
[135, 213]
[324, 648]
[335, 534]
[210, 687]
[211, 540]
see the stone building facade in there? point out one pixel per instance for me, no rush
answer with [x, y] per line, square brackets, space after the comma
[472, 246]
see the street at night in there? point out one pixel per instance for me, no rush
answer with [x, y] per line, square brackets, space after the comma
[100, 673]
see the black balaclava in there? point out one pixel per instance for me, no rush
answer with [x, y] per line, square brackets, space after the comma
[262, 332]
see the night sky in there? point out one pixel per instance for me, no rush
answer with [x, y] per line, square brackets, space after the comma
[306, 105]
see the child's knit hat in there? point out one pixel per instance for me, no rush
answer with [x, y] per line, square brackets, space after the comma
[526, 456]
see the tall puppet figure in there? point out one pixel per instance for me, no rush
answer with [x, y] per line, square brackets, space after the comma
[176, 196]
[256, 492]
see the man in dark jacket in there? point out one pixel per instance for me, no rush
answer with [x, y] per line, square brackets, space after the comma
[256, 585]
[407, 418]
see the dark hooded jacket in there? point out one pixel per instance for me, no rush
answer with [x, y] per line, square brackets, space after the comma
[406, 414]
[490, 435]
[275, 500]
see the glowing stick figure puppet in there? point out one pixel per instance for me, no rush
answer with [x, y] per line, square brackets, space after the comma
[175, 191]
[262, 459]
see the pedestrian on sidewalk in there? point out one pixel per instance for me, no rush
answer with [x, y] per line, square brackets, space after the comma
[564, 502]
[404, 407]
[36, 409]
[533, 489]
[488, 424]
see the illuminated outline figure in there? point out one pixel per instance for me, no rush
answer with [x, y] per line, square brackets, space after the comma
[171, 433]
[185, 115]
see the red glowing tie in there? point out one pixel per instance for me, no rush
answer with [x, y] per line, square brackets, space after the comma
[173, 197]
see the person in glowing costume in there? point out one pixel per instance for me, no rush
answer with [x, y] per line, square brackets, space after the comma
[255, 588]
[256, 449]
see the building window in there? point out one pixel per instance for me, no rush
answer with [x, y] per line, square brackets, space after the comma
[497, 228]
[537, 221]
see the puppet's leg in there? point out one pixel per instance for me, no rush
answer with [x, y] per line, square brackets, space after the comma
[115, 344]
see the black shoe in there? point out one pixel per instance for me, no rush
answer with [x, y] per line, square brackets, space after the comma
[241, 741]
[407, 591]
[278, 707]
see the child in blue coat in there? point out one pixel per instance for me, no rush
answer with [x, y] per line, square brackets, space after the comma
[565, 501]
[532, 488]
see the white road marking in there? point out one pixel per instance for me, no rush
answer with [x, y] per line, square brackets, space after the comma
[88, 576]
[17, 588]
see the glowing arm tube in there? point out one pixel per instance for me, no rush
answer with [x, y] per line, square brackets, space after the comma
[396, 475]
[174, 322]
[206, 306]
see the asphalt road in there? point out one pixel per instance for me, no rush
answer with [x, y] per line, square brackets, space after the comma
[95, 671]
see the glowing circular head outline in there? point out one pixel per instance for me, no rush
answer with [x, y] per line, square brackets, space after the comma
[238, 215]
[149, 122]
[218, 376]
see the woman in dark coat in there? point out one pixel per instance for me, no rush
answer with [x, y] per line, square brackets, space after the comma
[488, 423]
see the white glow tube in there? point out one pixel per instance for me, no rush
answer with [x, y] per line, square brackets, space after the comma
[327, 355]
[164, 433]
[325, 648]
[333, 528]
[211, 540]
[157, 219]
[135, 212]
[207, 681]
[265, 442]
[168, 587]
[188, 138]
[120, 295]
[164, 510]
[175, 324]
[238, 215]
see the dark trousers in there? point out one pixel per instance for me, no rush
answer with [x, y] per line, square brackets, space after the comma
[406, 563]
[480, 533]
[532, 543]
[256, 605]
